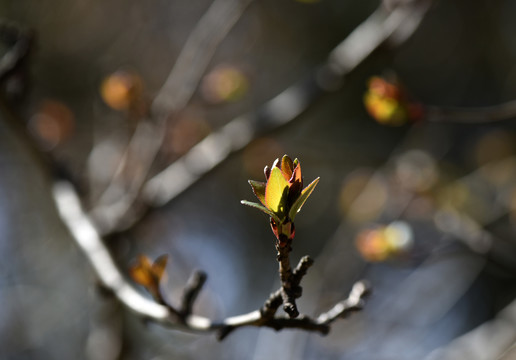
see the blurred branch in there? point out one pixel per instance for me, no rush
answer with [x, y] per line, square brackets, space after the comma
[87, 237]
[476, 115]
[177, 90]
[19, 42]
[196, 55]
[491, 340]
[284, 107]
[381, 26]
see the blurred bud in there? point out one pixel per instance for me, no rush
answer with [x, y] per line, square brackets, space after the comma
[148, 274]
[52, 123]
[225, 83]
[122, 90]
[385, 242]
[388, 104]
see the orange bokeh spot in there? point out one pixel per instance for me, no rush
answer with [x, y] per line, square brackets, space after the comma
[384, 242]
[52, 123]
[121, 89]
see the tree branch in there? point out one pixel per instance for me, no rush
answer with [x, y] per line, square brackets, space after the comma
[87, 237]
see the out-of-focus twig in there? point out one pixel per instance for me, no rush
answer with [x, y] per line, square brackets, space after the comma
[19, 41]
[177, 90]
[474, 115]
[381, 26]
[287, 105]
[491, 340]
[87, 237]
[196, 54]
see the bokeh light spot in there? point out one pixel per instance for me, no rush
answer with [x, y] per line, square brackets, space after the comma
[416, 170]
[121, 89]
[52, 123]
[225, 83]
[382, 243]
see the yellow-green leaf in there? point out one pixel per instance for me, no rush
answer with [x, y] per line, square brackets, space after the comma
[302, 199]
[276, 192]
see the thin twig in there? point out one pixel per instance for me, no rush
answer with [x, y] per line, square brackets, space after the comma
[288, 289]
[354, 302]
[192, 289]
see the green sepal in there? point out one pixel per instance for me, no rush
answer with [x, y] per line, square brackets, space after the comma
[296, 207]
[262, 208]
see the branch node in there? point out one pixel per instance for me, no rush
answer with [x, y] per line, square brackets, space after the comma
[192, 288]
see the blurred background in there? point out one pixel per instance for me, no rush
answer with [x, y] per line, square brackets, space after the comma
[422, 206]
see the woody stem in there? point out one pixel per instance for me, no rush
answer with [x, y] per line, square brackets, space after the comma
[289, 290]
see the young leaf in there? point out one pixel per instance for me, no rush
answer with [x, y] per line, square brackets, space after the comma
[286, 167]
[301, 199]
[276, 191]
[140, 272]
[258, 189]
[262, 208]
[296, 183]
[158, 267]
[267, 172]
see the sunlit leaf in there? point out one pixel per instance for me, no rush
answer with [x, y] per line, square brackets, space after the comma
[302, 199]
[258, 189]
[296, 180]
[260, 207]
[276, 191]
